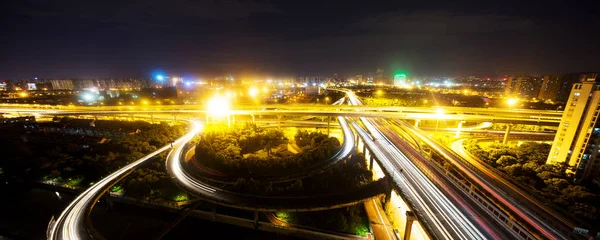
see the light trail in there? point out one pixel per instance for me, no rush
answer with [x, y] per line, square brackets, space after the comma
[71, 223]
[445, 220]
[522, 212]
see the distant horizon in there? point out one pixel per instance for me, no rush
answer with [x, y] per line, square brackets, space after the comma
[211, 77]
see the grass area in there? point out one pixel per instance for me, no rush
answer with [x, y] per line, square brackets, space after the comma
[181, 197]
[351, 220]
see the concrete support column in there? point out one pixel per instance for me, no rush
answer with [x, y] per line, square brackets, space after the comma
[109, 203]
[410, 218]
[252, 117]
[458, 128]
[328, 122]
[371, 158]
[214, 213]
[508, 128]
[278, 121]
[388, 194]
[255, 219]
[364, 150]
[417, 121]
[151, 118]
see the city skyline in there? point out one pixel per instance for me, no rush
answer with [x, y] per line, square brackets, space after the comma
[134, 39]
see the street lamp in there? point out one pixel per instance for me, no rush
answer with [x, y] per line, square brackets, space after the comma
[326, 100]
[511, 102]
[439, 113]
[219, 106]
[253, 92]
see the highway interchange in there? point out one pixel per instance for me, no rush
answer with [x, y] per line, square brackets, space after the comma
[441, 215]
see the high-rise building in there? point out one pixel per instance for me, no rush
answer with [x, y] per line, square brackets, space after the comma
[578, 137]
[526, 87]
[567, 82]
[400, 79]
[549, 88]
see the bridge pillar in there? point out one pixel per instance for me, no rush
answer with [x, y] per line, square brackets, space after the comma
[278, 121]
[458, 128]
[109, 203]
[508, 128]
[371, 158]
[328, 122]
[364, 150]
[214, 213]
[388, 195]
[417, 121]
[410, 218]
[252, 117]
[151, 118]
[255, 219]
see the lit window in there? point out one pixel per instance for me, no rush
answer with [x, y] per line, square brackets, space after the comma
[576, 94]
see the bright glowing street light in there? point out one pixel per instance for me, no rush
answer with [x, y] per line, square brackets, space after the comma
[160, 77]
[253, 92]
[439, 113]
[218, 106]
[379, 92]
[511, 102]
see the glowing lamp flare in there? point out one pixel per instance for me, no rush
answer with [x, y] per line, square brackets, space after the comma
[218, 106]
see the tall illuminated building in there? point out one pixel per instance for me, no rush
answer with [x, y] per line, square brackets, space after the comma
[400, 79]
[577, 140]
[550, 87]
[525, 87]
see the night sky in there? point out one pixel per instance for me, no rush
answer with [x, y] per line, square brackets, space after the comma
[89, 38]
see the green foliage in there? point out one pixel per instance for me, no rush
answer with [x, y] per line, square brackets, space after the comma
[352, 220]
[526, 164]
[224, 151]
[58, 155]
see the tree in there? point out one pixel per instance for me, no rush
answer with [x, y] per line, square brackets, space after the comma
[506, 160]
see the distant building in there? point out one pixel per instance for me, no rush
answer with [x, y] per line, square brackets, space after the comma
[65, 84]
[577, 141]
[567, 82]
[525, 87]
[549, 88]
[400, 79]
[312, 81]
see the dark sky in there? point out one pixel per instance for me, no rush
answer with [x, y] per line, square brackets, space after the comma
[112, 38]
